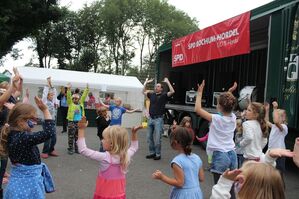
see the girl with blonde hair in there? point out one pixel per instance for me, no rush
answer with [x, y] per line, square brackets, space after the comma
[111, 180]
[254, 180]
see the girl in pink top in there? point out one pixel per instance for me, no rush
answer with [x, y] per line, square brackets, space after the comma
[111, 181]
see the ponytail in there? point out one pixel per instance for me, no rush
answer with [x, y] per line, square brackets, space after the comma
[261, 114]
[3, 140]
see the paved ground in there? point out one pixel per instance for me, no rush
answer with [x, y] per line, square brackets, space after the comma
[75, 175]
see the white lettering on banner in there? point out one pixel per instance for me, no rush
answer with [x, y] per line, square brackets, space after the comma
[214, 38]
[178, 57]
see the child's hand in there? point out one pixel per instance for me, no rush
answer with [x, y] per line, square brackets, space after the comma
[40, 104]
[276, 153]
[8, 105]
[27, 92]
[267, 106]
[233, 88]
[157, 175]
[231, 175]
[83, 123]
[201, 86]
[68, 85]
[15, 71]
[136, 128]
[296, 152]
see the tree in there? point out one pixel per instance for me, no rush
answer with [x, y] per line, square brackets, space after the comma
[19, 18]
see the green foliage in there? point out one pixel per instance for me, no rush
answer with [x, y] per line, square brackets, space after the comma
[102, 37]
[19, 18]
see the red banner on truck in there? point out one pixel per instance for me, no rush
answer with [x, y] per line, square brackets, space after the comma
[227, 38]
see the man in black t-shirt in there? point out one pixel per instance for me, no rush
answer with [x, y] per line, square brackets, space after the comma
[158, 99]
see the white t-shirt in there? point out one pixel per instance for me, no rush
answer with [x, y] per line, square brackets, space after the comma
[276, 139]
[253, 141]
[221, 134]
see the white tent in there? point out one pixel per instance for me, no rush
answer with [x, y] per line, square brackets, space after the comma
[128, 88]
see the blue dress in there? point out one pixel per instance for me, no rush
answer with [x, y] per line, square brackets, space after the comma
[191, 188]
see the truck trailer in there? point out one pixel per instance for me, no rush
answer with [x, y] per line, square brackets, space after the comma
[265, 71]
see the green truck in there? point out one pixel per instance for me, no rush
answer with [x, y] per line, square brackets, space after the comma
[268, 72]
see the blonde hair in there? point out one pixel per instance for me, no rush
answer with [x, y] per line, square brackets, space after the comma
[119, 139]
[20, 111]
[262, 181]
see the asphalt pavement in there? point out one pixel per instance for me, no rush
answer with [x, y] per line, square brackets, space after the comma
[75, 175]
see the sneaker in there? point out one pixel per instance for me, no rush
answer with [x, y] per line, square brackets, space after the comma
[157, 157]
[70, 152]
[54, 153]
[44, 155]
[151, 156]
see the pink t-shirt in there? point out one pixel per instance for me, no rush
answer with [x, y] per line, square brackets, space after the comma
[105, 158]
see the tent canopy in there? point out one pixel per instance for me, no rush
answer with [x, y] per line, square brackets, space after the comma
[104, 82]
[4, 78]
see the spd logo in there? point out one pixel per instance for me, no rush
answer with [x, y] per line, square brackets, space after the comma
[178, 58]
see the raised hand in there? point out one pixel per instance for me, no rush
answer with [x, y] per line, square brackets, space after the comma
[83, 123]
[15, 71]
[9, 105]
[296, 152]
[148, 80]
[40, 104]
[201, 86]
[276, 153]
[231, 175]
[233, 88]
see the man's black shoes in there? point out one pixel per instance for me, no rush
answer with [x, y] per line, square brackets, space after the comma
[151, 156]
[157, 157]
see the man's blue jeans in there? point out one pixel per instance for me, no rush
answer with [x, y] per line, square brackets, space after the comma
[154, 135]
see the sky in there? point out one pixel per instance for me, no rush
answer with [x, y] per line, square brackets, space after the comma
[206, 12]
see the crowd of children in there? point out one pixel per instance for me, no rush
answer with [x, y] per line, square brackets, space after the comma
[234, 146]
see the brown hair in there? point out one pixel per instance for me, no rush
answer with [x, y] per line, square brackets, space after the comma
[260, 110]
[20, 111]
[119, 144]
[185, 120]
[182, 137]
[101, 110]
[227, 101]
[262, 181]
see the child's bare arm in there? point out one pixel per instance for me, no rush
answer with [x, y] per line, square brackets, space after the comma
[178, 179]
[201, 175]
[134, 132]
[198, 109]
[82, 124]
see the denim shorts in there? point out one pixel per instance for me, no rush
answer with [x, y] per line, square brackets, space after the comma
[221, 161]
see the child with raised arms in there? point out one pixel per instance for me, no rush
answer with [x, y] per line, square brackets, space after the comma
[30, 178]
[113, 163]
[221, 133]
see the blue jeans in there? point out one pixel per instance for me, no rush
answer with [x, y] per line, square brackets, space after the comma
[50, 143]
[221, 161]
[154, 135]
